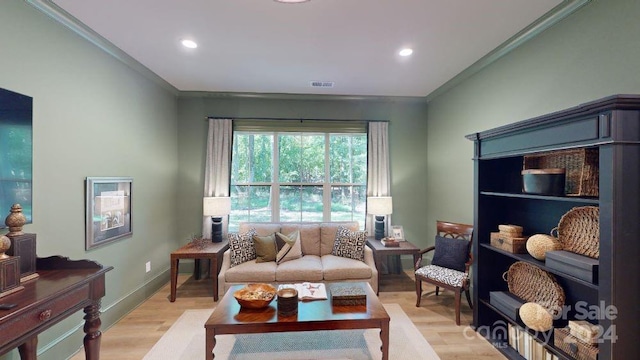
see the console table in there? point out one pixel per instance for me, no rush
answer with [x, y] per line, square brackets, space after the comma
[63, 287]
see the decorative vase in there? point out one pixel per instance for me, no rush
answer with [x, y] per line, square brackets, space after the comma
[15, 220]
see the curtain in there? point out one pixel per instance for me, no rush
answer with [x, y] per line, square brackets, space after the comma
[378, 176]
[218, 167]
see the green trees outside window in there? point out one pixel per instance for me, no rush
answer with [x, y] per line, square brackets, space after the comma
[298, 177]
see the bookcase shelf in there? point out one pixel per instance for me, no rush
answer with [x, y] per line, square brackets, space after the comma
[611, 128]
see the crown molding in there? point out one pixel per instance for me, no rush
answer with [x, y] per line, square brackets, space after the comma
[549, 19]
[302, 97]
[60, 15]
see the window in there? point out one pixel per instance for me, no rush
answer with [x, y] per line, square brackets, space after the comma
[285, 176]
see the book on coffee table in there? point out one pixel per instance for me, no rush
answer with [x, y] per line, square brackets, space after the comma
[311, 291]
[347, 294]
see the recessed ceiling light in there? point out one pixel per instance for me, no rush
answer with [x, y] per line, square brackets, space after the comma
[189, 44]
[291, 1]
[406, 52]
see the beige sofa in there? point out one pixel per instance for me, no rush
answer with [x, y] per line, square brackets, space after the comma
[316, 265]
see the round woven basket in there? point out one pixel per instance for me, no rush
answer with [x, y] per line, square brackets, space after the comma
[536, 317]
[539, 244]
[579, 231]
[533, 284]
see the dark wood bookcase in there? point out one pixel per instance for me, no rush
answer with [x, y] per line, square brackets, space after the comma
[611, 126]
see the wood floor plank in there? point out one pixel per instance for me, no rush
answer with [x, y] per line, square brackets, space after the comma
[133, 336]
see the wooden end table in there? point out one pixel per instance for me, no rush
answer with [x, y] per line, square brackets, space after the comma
[379, 251]
[212, 251]
[229, 318]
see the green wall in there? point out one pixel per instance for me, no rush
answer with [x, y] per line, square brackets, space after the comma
[591, 54]
[93, 116]
[407, 135]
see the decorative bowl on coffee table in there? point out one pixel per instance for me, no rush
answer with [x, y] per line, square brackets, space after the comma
[255, 296]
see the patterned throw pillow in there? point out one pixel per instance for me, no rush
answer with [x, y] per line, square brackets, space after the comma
[241, 247]
[349, 244]
[289, 247]
[265, 248]
[451, 253]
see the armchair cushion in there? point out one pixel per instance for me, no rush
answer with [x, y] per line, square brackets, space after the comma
[451, 253]
[241, 247]
[444, 275]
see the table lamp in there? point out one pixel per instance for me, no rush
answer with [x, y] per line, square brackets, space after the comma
[379, 206]
[216, 207]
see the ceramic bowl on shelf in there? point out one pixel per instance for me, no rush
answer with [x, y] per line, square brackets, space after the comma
[255, 296]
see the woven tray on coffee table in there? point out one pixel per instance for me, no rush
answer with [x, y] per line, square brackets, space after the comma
[533, 284]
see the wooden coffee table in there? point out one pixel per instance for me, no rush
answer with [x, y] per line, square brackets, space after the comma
[229, 318]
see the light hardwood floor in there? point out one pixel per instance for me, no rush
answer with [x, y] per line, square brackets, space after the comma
[134, 335]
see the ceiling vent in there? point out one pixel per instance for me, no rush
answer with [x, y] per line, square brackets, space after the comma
[322, 84]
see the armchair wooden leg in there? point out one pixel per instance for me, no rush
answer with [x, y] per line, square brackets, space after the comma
[437, 290]
[466, 292]
[418, 292]
[457, 300]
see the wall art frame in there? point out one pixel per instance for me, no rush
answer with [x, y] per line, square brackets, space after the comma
[108, 210]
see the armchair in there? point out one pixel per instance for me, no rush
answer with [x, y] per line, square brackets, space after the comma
[449, 268]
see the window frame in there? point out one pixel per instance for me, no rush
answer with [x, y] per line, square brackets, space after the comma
[276, 185]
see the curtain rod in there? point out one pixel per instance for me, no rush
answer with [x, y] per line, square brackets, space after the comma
[287, 119]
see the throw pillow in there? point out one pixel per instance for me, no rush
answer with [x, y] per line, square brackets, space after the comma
[241, 247]
[349, 244]
[451, 253]
[265, 248]
[289, 247]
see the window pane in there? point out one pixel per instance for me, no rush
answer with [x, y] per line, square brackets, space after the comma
[312, 203]
[301, 203]
[359, 159]
[249, 203]
[348, 154]
[348, 203]
[301, 158]
[252, 158]
[312, 166]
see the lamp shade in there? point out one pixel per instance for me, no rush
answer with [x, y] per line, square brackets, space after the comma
[379, 205]
[216, 206]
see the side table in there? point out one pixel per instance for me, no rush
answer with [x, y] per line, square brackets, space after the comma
[212, 251]
[379, 251]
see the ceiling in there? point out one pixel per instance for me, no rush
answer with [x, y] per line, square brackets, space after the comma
[262, 46]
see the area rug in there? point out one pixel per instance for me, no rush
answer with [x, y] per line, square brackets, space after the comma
[185, 340]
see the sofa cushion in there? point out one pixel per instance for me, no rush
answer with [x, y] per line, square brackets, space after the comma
[262, 229]
[251, 271]
[309, 236]
[328, 234]
[288, 247]
[341, 268]
[241, 247]
[306, 268]
[265, 247]
[349, 244]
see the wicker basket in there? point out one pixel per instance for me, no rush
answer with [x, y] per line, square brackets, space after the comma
[581, 167]
[533, 284]
[579, 231]
[577, 349]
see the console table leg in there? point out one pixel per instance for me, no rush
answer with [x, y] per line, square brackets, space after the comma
[29, 349]
[92, 330]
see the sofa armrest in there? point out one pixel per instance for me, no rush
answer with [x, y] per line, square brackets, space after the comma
[226, 265]
[369, 260]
